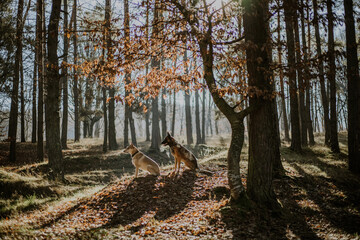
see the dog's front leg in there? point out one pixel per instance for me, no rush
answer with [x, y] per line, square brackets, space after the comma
[136, 172]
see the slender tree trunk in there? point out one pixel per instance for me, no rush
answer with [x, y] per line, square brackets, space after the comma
[105, 120]
[52, 102]
[173, 115]
[76, 84]
[15, 87]
[132, 130]
[64, 128]
[197, 119]
[163, 114]
[22, 101]
[320, 64]
[353, 89]
[289, 8]
[40, 31]
[209, 117]
[301, 83]
[309, 125]
[188, 118]
[334, 142]
[34, 90]
[282, 91]
[147, 122]
[127, 75]
[203, 141]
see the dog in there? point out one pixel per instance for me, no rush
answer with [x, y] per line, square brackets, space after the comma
[181, 154]
[141, 161]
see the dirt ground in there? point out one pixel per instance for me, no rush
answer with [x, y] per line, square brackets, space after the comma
[320, 198]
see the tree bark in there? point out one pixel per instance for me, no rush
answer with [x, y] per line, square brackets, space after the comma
[289, 8]
[163, 114]
[324, 99]
[262, 126]
[203, 138]
[40, 31]
[52, 102]
[22, 101]
[34, 90]
[353, 89]
[65, 117]
[334, 142]
[13, 120]
[188, 118]
[197, 119]
[105, 119]
[173, 115]
[76, 84]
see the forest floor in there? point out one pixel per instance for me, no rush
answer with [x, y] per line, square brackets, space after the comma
[320, 198]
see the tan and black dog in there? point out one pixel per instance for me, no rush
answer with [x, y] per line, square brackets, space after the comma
[140, 160]
[180, 153]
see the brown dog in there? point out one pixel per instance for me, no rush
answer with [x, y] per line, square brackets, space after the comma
[140, 160]
[180, 153]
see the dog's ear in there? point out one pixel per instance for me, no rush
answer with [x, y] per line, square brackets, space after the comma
[168, 133]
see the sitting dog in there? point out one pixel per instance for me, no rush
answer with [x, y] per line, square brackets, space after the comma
[140, 160]
[180, 153]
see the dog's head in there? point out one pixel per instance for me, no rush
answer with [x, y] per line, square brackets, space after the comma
[130, 149]
[168, 140]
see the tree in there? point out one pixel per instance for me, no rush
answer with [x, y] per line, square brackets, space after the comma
[353, 89]
[40, 36]
[281, 76]
[15, 88]
[52, 101]
[262, 120]
[203, 117]
[289, 8]
[76, 76]
[163, 114]
[197, 119]
[320, 65]
[64, 128]
[188, 118]
[334, 142]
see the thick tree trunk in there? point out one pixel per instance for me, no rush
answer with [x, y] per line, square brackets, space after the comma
[188, 118]
[40, 32]
[13, 120]
[197, 119]
[262, 134]
[334, 142]
[155, 130]
[289, 8]
[320, 64]
[132, 129]
[353, 89]
[64, 128]
[52, 102]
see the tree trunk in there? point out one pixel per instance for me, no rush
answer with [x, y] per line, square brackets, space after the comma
[155, 130]
[173, 115]
[34, 90]
[13, 120]
[52, 102]
[262, 126]
[197, 118]
[64, 128]
[282, 91]
[320, 64]
[22, 101]
[353, 89]
[203, 118]
[307, 74]
[334, 142]
[76, 84]
[188, 118]
[105, 120]
[147, 121]
[289, 8]
[112, 131]
[163, 114]
[40, 32]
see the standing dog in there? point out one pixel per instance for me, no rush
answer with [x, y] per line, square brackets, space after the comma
[140, 160]
[180, 153]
